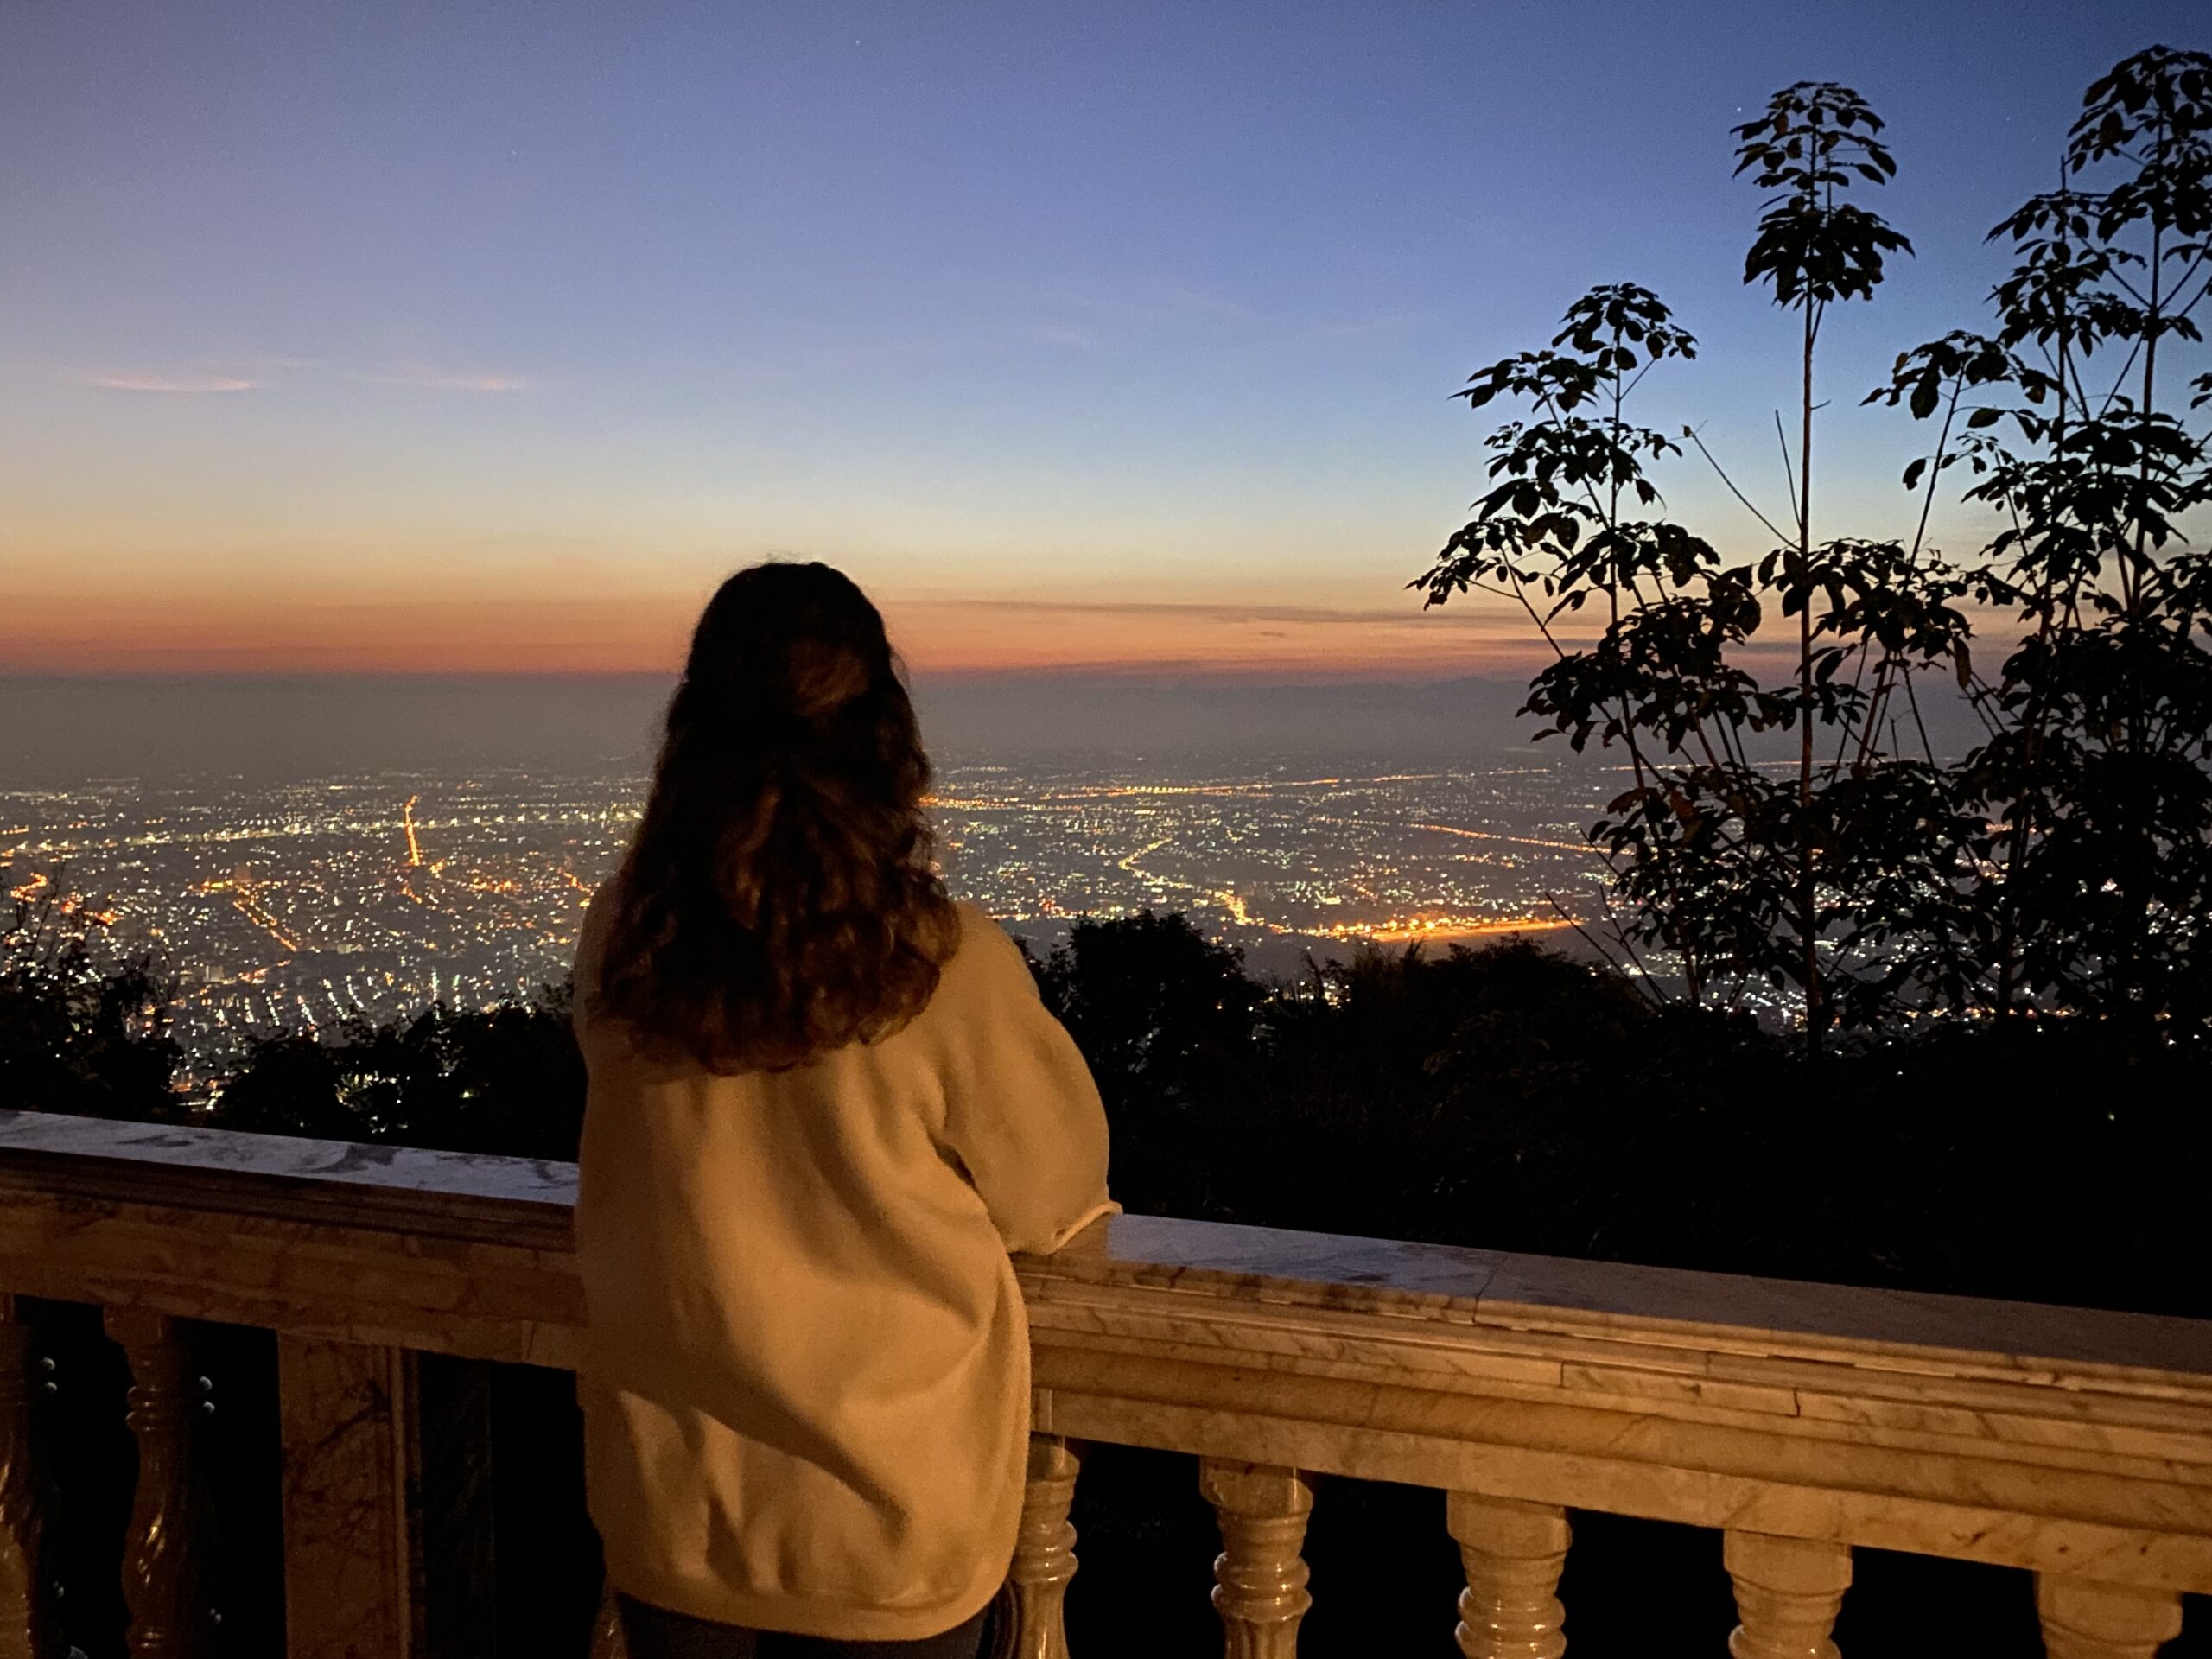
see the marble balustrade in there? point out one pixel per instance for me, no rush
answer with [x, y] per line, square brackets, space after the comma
[1800, 1420]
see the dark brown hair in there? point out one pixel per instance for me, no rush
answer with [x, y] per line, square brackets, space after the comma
[780, 897]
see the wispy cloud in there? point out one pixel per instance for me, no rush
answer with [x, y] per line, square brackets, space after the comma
[250, 374]
[436, 379]
[1469, 618]
[122, 380]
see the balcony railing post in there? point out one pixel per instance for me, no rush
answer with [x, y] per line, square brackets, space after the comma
[2083, 1619]
[158, 1568]
[1789, 1592]
[1044, 1552]
[347, 1414]
[1260, 1577]
[21, 1598]
[1513, 1553]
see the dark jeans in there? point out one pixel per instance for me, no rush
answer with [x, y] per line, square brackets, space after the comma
[655, 1633]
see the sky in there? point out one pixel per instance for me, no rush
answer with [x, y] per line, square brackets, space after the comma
[1120, 338]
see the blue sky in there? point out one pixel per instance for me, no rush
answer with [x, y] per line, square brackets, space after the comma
[485, 334]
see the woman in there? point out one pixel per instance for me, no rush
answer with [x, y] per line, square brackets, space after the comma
[826, 1102]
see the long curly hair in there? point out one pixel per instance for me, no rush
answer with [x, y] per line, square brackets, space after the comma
[781, 898]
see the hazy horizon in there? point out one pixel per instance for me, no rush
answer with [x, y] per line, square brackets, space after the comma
[56, 730]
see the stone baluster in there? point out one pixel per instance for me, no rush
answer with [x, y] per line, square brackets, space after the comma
[1513, 1553]
[1260, 1577]
[347, 1416]
[2083, 1620]
[158, 1566]
[21, 1600]
[1788, 1593]
[1044, 1551]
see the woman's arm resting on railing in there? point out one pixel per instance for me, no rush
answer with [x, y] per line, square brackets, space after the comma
[1022, 1112]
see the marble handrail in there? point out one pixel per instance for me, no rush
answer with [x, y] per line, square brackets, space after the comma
[1801, 1418]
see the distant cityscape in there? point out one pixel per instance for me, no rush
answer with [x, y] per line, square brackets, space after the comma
[304, 906]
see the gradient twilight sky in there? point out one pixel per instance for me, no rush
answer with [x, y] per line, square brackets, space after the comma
[487, 336]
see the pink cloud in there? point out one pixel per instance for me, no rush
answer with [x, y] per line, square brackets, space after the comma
[129, 382]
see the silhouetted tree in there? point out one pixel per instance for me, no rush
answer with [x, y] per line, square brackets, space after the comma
[2065, 865]
[510, 1080]
[1509, 1097]
[77, 1035]
[2096, 889]
[1163, 1013]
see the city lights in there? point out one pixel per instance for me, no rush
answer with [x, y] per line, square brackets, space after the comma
[309, 905]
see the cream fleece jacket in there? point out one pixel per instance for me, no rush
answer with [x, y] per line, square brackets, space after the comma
[806, 1384]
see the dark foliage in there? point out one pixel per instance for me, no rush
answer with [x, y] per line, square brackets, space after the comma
[1509, 1097]
[1168, 1013]
[76, 1036]
[507, 1081]
[2063, 866]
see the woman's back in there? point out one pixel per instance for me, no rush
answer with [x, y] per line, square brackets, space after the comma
[807, 1386]
[824, 1102]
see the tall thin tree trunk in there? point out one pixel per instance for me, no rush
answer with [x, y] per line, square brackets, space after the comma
[1807, 906]
[2020, 816]
[2137, 884]
[2151, 332]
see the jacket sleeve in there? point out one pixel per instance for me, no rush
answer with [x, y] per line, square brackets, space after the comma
[1022, 1114]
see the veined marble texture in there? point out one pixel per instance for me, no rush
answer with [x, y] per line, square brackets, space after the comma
[2077, 1443]
[316, 1165]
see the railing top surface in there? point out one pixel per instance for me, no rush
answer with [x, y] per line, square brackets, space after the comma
[451, 1194]
[499, 1200]
[1671, 1307]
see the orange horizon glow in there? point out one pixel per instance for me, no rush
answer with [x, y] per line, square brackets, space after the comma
[228, 629]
